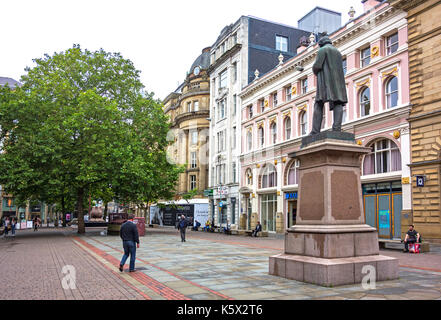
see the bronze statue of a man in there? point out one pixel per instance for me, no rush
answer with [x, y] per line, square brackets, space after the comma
[331, 87]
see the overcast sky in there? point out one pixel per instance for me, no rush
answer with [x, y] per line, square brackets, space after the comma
[161, 37]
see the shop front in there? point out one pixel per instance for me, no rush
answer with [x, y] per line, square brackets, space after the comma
[291, 208]
[222, 207]
[268, 210]
[382, 208]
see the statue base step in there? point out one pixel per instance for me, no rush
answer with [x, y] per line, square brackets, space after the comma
[333, 272]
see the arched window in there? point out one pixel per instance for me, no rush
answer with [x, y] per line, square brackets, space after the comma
[249, 140]
[287, 128]
[385, 157]
[392, 92]
[274, 132]
[261, 136]
[303, 123]
[269, 177]
[249, 177]
[365, 102]
[293, 173]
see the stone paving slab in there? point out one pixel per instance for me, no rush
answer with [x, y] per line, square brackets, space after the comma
[206, 267]
[247, 277]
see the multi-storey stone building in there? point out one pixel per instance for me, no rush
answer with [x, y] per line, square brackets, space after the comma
[249, 45]
[188, 108]
[277, 110]
[424, 42]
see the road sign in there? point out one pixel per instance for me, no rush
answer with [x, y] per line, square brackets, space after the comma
[420, 181]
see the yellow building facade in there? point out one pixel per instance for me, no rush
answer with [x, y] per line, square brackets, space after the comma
[424, 40]
[188, 109]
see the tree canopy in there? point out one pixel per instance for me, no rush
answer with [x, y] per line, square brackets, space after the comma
[80, 124]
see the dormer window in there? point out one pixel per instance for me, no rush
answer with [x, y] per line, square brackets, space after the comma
[282, 43]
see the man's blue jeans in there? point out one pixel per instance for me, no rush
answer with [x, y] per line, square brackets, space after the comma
[129, 249]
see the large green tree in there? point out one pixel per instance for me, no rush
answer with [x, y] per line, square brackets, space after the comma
[82, 124]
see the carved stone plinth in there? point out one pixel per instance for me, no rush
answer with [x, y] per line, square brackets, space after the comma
[331, 243]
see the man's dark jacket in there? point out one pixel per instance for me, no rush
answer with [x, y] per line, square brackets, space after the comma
[129, 232]
[184, 223]
[328, 67]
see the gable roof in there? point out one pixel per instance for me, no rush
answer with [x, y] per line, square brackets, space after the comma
[10, 82]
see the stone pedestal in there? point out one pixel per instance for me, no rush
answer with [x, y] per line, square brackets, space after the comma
[330, 244]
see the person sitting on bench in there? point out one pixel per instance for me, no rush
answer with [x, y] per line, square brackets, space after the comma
[207, 226]
[196, 226]
[227, 228]
[257, 229]
[412, 236]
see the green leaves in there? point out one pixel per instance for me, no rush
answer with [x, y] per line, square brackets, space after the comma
[81, 123]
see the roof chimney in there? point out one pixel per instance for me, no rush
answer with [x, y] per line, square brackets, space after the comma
[369, 4]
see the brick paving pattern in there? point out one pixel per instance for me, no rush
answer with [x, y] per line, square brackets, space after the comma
[31, 268]
[207, 266]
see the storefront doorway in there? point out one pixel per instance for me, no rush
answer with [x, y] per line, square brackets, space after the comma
[268, 206]
[382, 208]
[292, 213]
[222, 212]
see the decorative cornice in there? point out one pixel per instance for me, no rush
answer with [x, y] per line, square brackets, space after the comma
[191, 115]
[386, 74]
[364, 83]
[302, 107]
[228, 54]
[273, 120]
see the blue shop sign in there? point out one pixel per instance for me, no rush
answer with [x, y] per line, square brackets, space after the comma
[291, 196]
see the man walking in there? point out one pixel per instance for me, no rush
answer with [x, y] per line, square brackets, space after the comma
[182, 226]
[129, 235]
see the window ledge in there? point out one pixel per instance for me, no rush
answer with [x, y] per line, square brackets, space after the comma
[389, 176]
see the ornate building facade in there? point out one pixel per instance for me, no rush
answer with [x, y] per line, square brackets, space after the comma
[277, 111]
[424, 23]
[248, 45]
[188, 109]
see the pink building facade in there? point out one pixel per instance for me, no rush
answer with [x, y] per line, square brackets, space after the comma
[277, 111]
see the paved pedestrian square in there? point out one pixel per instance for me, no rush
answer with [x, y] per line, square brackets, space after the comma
[206, 266]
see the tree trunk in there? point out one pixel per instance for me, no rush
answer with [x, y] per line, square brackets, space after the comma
[80, 197]
[105, 211]
[63, 210]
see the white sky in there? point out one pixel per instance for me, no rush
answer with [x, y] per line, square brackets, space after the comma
[161, 37]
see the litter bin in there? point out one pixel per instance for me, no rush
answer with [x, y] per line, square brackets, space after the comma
[140, 224]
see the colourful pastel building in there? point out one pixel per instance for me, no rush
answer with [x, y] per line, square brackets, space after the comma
[277, 110]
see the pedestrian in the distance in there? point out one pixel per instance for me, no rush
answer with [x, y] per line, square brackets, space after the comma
[182, 227]
[129, 235]
[7, 226]
[35, 224]
[13, 224]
